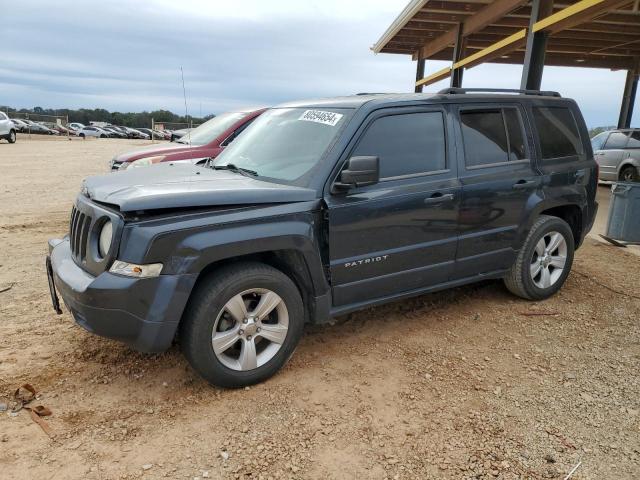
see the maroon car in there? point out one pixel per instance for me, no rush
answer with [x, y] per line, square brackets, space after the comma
[201, 143]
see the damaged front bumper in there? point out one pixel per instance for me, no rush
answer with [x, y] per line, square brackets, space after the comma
[141, 312]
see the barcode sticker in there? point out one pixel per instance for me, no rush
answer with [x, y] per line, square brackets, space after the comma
[319, 116]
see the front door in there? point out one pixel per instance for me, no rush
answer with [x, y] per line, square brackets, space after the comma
[398, 236]
[497, 178]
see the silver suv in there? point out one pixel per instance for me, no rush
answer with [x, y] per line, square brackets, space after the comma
[618, 155]
[7, 128]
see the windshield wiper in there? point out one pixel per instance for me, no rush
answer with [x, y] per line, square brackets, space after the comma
[236, 169]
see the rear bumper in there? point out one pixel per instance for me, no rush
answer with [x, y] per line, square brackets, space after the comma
[143, 313]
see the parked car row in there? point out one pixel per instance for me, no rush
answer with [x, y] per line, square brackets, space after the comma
[117, 131]
[81, 130]
[29, 126]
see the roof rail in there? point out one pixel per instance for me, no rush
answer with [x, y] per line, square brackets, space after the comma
[456, 91]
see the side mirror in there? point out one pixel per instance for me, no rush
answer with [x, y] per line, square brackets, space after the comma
[358, 172]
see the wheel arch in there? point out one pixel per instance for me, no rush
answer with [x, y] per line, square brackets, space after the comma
[570, 213]
[629, 162]
[289, 261]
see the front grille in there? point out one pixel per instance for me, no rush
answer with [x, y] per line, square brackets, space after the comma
[79, 234]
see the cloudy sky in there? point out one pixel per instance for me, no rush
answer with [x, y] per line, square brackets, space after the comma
[126, 56]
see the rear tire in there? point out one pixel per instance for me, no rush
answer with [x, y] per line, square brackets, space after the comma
[544, 261]
[629, 174]
[12, 136]
[254, 315]
[81, 135]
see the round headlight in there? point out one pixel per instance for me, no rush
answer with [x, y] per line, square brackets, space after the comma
[106, 234]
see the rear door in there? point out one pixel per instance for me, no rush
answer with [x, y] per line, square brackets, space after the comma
[611, 155]
[498, 177]
[398, 236]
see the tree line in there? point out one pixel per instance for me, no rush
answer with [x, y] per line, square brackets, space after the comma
[128, 119]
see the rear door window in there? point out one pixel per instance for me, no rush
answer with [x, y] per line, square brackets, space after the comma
[557, 132]
[616, 141]
[492, 136]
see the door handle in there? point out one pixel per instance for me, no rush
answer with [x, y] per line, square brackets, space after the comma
[579, 174]
[521, 184]
[438, 198]
[598, 154]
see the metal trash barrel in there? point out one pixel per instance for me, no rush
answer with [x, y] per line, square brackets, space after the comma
[624, 212]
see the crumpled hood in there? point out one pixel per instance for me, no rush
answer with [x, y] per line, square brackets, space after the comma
[153, 150]
[168, 185]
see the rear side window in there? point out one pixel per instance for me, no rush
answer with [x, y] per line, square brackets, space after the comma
[616, 140]
[492, 136]
[406, 144]
[2, 116]
[634, 139]
[558, 132]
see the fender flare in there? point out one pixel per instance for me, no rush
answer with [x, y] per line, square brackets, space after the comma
[534, 212]
[192, 251]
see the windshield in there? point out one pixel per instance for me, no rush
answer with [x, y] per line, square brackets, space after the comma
[212, 129]
[285, 143]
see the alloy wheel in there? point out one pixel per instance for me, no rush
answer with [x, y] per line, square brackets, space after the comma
[250, 329]
[548, 260]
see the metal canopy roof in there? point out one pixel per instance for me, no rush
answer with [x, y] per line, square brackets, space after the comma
[587, 33]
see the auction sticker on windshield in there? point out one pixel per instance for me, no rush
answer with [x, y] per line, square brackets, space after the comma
[319, 116]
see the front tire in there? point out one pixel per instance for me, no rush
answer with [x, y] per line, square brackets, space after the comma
[629, 174]
[544, 261]
[12, 136]
[242, 324]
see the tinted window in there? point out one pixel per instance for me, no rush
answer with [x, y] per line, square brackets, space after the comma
[634, 140]
[616, 140]
[558, 132]
[518, 150]
[485, 137]
[406, 144]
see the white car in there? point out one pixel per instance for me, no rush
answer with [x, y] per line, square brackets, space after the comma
[90, 131]
[7, 128]
[76, 127]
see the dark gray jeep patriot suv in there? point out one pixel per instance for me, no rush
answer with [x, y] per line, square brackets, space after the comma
[325, 207]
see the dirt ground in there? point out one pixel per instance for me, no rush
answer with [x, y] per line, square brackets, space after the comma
[468, 383]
